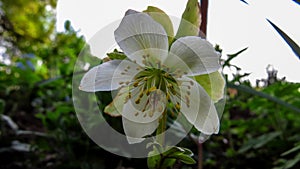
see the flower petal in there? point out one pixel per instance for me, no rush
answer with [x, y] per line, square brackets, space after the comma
[147, 109]
[142, 39]
[197, 107]
[135, 131]
[197, 53]
[108, 76]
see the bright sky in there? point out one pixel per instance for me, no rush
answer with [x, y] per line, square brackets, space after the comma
[231, 24]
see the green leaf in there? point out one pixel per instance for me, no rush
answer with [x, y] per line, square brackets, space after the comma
[162, 18]
[293, 45]
[291, 163]
[2, 104]
[168, 163]
[259, 141]
[232, 56]
[190, 20]
[185, 158]
[116, 55]
[179, 153]
[296, 148]
[213, 83]
[249, 90]
[153, 160]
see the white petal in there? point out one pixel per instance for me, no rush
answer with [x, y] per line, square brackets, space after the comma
[197, 53]
[139, 35]
[108, 76]
[135, 131]
[197, 107]
[149, 109]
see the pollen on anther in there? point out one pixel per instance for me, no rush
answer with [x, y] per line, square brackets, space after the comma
[136, 114]
[151, 114]
[192, 83]
[177, 106]
[136, 83]
[168, 97]
[137, 101]
[187, 99]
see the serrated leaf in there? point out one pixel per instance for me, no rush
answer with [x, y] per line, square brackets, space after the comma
[116, 55]
[190, 20]
[162, 18]
[232, 56]
[213, 83]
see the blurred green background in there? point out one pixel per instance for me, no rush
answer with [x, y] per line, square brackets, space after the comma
[39, 129]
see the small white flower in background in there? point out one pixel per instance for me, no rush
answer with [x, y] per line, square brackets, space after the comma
[155, 76]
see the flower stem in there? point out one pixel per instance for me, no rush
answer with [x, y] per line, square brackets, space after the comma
[160, 136]
[200, 155]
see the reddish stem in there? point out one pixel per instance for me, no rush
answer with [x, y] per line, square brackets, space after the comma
[204, 7]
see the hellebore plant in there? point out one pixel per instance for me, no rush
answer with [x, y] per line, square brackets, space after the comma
[156, 77]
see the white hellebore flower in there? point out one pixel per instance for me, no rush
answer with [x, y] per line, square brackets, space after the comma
[155, 76]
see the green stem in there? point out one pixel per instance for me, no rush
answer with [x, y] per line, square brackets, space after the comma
[160, 136]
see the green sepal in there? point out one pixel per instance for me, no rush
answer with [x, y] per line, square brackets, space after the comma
[118, 101]
[213, 83]
[162, 18]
